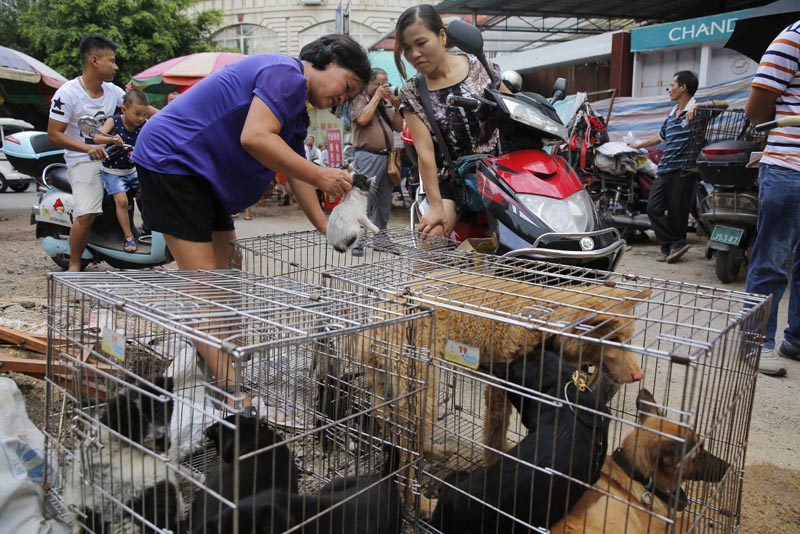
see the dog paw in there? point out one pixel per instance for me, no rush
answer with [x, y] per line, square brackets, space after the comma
[438, 451]
[426, 507]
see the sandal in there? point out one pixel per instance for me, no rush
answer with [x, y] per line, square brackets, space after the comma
[130, 244]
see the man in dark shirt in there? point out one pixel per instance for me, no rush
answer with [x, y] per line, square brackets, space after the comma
[671, 195]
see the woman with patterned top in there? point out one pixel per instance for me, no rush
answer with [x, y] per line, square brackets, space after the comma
[422, 40]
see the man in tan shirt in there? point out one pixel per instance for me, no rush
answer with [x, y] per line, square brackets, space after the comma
[375, 118]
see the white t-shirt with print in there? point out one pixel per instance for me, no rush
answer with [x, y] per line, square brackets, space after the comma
[71, 102]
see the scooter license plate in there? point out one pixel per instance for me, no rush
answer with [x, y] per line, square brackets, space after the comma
[727, 235]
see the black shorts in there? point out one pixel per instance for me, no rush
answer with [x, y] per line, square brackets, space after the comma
[446, 191]
[182, 206]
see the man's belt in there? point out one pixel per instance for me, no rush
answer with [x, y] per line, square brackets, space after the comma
[377, 152]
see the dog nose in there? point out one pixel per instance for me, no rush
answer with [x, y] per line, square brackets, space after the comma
[637, 376]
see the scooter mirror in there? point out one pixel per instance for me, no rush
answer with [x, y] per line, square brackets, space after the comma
[465, 36]
[559, 89]
[469, 39]
[88, 125]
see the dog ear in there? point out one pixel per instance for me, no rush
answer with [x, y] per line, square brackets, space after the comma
[669, 455]
[164, 382]
[212, 433]
[647, 405]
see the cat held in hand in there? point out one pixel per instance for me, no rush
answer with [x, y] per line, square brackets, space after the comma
[349, 221]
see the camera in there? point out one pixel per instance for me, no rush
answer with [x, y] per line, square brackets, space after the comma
[395, 90]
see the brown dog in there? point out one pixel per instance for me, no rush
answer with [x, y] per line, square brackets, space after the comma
[598, 311]
[642, 479]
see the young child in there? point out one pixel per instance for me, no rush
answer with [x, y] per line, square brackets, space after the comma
[119, 173]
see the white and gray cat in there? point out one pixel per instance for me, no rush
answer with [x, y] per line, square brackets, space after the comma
[348, 221]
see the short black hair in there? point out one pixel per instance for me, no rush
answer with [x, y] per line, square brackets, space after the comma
[340, 49]
[135, 96]
[377, 71]
[689, 79]
[94, 42]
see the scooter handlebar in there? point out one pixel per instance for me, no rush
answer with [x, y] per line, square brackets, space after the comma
[784, 121]
[113, 150]
[463, 102]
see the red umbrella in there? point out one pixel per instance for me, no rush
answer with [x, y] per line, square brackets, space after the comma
[180, 73]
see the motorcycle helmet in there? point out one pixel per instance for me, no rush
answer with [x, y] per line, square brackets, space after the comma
[512, 80]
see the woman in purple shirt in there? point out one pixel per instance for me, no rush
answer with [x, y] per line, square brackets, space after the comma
[214, 151]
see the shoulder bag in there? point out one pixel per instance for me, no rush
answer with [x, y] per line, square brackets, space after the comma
[393, 156]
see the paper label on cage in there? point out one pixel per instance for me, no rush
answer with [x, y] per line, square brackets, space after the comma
[100, 319]
[462, 354]
[114, 343]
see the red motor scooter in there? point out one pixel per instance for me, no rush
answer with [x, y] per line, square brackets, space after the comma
[536, 206]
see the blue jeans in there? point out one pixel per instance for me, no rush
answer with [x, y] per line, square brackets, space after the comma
[114, 183]
[778, 236]
[379, 200]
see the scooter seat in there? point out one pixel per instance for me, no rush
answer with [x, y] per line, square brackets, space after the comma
[58, 178]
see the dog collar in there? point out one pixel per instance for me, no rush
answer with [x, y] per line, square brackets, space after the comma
[679, 498]
[583, 379]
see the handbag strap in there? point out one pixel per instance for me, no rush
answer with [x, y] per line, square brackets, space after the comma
[425, 99]
[382, 114]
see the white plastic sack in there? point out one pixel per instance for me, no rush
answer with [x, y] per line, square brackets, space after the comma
[614, 148]
[649, 168]
[22, 468]
[618, 158]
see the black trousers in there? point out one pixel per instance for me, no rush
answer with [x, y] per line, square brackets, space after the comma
[668, 206]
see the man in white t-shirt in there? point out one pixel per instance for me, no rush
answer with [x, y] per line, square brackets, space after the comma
[312, 152]
[92, 94]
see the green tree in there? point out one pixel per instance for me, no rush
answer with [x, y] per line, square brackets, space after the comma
[147, 31]
[10, 12]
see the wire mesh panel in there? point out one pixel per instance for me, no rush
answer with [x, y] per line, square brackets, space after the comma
[303, 256]
[694, 347]
[202, 401]
[714, 125]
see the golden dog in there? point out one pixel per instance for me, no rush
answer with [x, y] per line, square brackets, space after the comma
[595, 311]
[590, 311]
[645, 471]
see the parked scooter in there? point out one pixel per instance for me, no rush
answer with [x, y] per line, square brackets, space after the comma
[732, 207]
[618, 177]
[536, 207]
[52, 215]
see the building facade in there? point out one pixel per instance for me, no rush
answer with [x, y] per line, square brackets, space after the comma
[285, 26]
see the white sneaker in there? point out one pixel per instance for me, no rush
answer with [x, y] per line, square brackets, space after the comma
[770, 364]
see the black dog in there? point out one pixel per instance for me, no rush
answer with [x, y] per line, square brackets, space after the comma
[140, 480]
[349, 505]
[140, 418]
[271, 469]
[566, 439]
[335, 401]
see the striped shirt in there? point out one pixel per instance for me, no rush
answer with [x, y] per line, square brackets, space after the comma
[675, 134]
[779, 72]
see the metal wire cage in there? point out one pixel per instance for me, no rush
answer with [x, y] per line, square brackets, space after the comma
[695, 347]
[148, 440]
[304, 256]
[714, 125]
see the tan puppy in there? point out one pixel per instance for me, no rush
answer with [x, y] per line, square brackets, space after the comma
[592, 311]
[622, 500]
